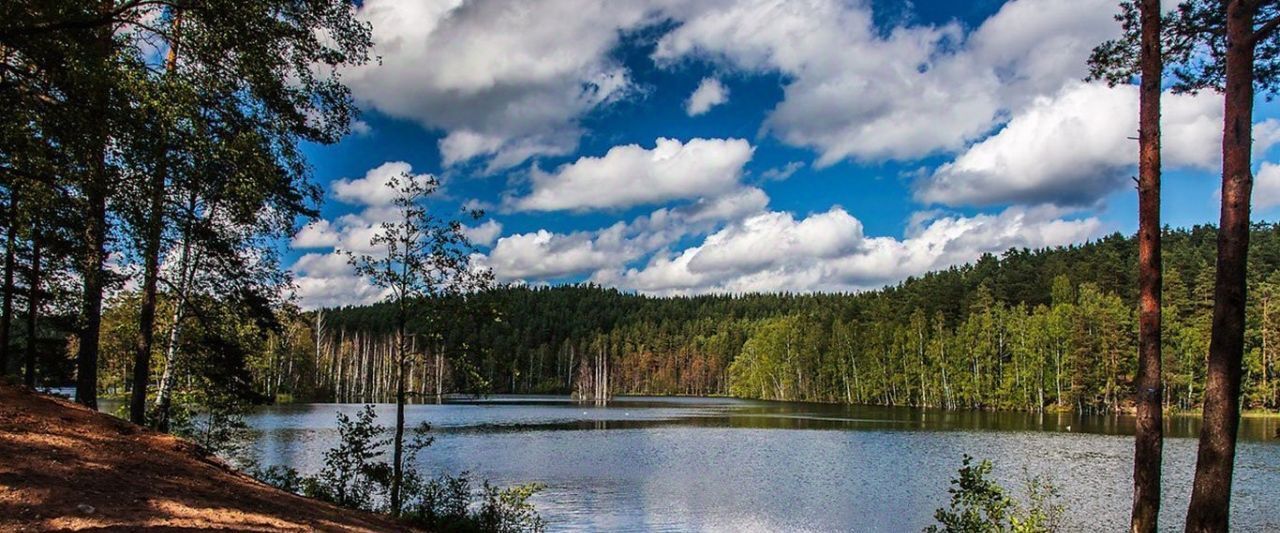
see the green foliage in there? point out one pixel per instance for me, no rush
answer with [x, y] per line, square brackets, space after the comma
[1193, 41]
[507, 510]
[1042, 511]
[449, 504]
[354, 476]
[281, 477]
[442, 502]
[1051, 329]
[161, 133]
[1029, 330]
[218, 426]
[980, 505]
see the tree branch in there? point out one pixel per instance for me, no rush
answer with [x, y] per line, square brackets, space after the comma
[81, 23]
[1264, 31]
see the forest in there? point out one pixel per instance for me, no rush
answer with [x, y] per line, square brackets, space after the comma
[1025, 330]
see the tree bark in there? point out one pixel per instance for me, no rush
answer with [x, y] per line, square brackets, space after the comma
[1211, 492]
[151, 258]
[6, 314]
[91, 295]
[147, 308]
[397, 460]
[33, 311]
[95, 233]
[1149, 433]
[186, 277]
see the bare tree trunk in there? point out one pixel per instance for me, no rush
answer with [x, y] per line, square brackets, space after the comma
[1149, 433]
[33, 311]
[319, 340]
[1211, 492]
[342, 387]
[924, 398]
[604, 392]
[93, 281]
[187, 266]
[439, 375]
[6, 314]
[397, 451]
[942, 361]
[151, 260]
[92, 269]
[147, 312]
[1057, 373]
[568, 382]
[1266, 361]
[857, 383]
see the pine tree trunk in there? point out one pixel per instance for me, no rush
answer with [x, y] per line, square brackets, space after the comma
[151, 260]
[1149, 433]
[92, 270]
[33, 311]
[93, 281]
[147, 310]
[6, 314]
[1211, 492]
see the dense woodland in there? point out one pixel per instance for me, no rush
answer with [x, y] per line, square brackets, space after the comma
[150, 166]
[1025, 330]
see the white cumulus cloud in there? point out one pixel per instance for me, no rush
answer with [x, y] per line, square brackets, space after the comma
[542, 255]
[506, 80]
[372, 189]
[632, 175]
[1074, 148]
[1266, 186]
[483, 234]
[859, 91]
[328, 280]
[710, 93]
[828, 251]
[318, 234]
[323, 279]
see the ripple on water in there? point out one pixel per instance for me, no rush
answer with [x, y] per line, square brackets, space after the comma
[711, 464]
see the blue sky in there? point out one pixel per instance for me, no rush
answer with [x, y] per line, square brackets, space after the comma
[682, 146]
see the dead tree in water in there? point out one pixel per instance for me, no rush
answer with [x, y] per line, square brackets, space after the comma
[602, 382]
[593, 379]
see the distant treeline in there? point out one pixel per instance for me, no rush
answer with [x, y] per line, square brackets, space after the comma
[1025, 330]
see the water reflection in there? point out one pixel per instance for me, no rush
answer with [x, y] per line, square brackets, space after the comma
[679, 464]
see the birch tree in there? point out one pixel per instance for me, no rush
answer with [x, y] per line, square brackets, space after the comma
[421, 256]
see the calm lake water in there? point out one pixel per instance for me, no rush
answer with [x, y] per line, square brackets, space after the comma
[712, 464]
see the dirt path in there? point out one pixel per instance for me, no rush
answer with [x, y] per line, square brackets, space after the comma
[65, 467]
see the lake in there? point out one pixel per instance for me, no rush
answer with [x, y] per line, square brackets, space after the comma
[716, 464]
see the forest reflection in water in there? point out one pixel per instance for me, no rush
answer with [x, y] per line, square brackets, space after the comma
[678, 464]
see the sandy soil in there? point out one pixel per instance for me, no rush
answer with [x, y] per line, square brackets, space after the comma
[66, 468]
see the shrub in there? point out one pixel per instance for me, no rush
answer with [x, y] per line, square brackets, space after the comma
[448, 504]
[980, 505]
[353, 477]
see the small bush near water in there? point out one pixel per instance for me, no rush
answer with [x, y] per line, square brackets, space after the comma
[354, 477]
[980, 505]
